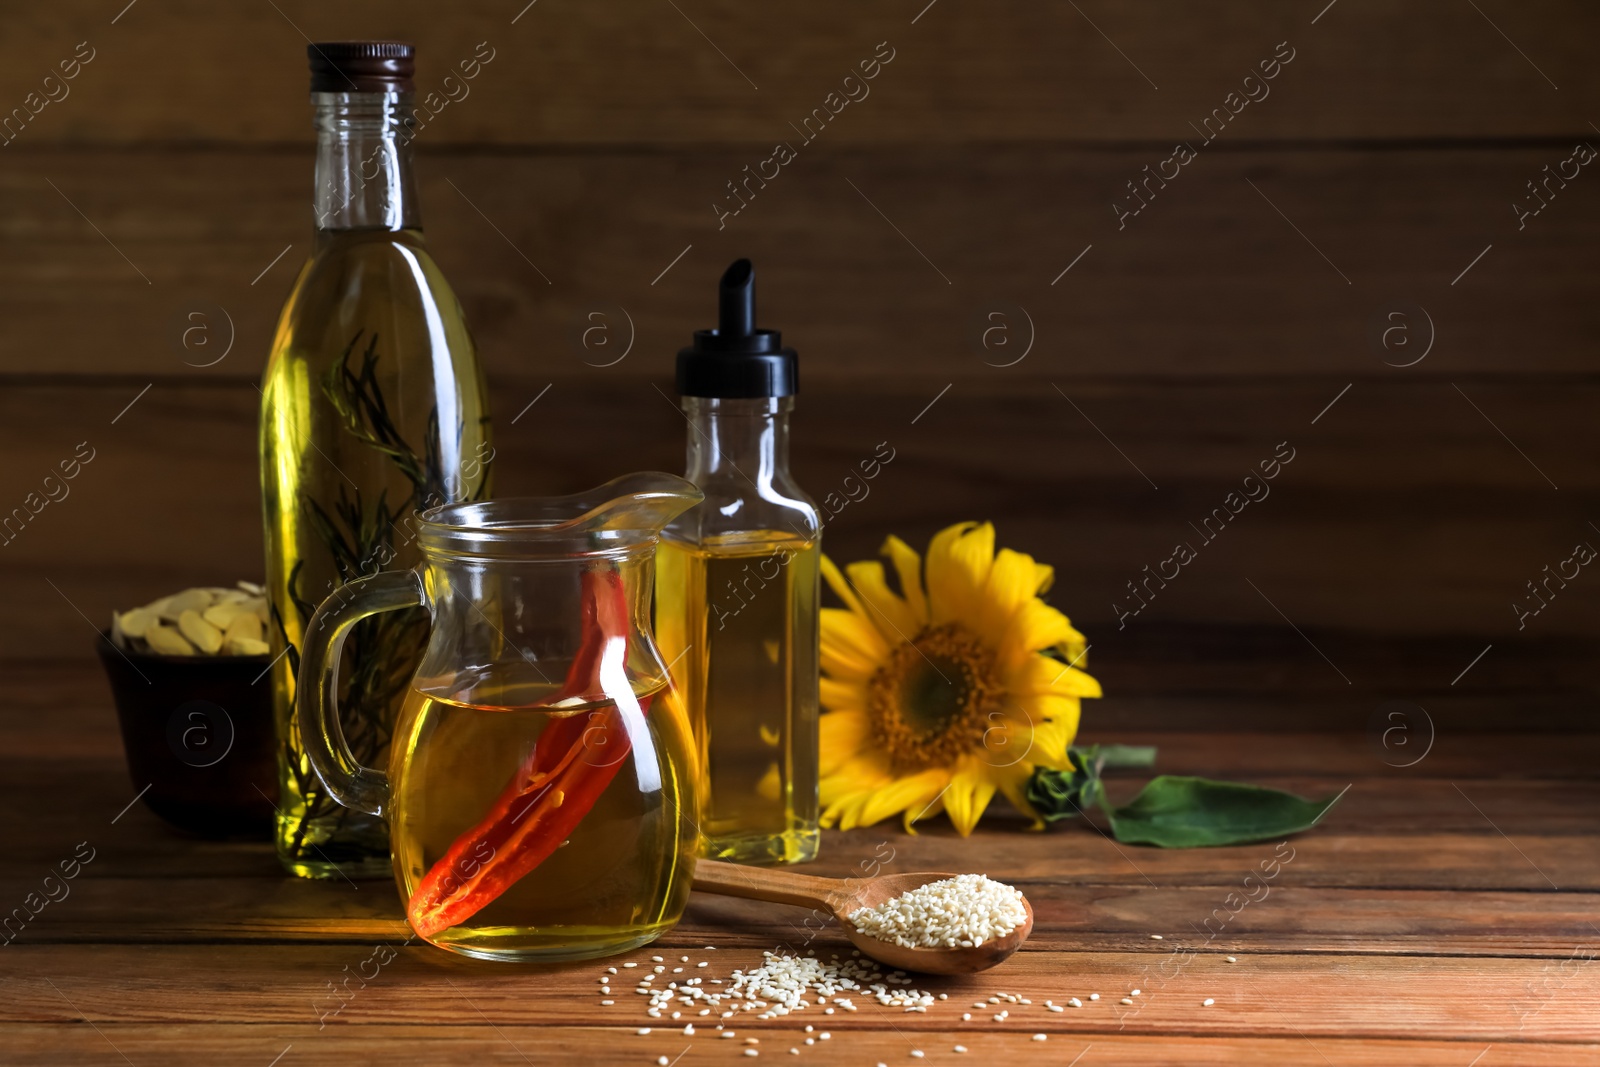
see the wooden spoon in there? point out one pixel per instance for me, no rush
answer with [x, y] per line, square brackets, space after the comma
[841, 896]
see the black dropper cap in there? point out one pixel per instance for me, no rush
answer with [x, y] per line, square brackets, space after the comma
[736, 359]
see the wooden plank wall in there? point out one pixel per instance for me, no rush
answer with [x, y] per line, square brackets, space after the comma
[1240, 308]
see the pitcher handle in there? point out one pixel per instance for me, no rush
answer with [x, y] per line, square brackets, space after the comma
[362, 788]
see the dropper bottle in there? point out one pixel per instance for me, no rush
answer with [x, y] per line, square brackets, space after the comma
[737, 593]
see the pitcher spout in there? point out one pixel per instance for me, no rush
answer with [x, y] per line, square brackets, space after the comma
[644, 502]
[625, 513]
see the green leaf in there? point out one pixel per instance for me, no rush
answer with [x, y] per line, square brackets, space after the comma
[1179, 812]
[1125, 755]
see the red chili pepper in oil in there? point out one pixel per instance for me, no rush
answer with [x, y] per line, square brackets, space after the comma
[557, 784]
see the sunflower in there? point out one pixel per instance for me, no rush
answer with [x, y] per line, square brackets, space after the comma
[946, 692]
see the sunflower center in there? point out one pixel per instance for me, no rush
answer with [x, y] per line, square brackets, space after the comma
[933, 698]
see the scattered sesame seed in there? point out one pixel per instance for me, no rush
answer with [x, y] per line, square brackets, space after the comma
[917, 1052]
[1041, 1037]
[794, 1052]
[944, 996]
[1156, 937]
[1206, 1003]
[658, 968]
[663, 1061]
[782, 985]
[961, 1048]
[630, 964]
[703, 963]
[688, 1030]
[607, 1003]
[1094, 996]
[966, 1016]
[1134, 993]
[644, 1031]
[980, 1004]
[684, 959]
[752, 1041]
[1127, 1000]
[1233, 959]
[751, 1052]
[656, 959]
[824, 1035]
[677, 970]
[811, 1041]
[729, 1033]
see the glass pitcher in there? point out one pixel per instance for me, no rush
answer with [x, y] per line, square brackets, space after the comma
[541, 789]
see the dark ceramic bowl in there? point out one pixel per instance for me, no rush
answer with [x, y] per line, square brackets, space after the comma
[198, 732]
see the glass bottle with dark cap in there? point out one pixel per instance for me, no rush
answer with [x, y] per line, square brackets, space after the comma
[373, 407]
[737, 591]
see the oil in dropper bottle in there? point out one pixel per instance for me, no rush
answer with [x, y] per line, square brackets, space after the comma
[737, 592]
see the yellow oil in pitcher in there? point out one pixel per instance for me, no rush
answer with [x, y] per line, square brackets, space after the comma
[467, 810]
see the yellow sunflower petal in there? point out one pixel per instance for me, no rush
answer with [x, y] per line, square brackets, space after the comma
[1010, 587]
[1008, 737]
[1041, 674]
[911, 793]
[1035, 626]
[1054, 722]
[862, 771]
[927, 811]
[842, 694]
[1044, 577]
[836, 582]
[886, 610]
[908, 565]
[846, 811]
[848, 789]
[971, 789]
[959, 558]
[1013, 782]
[940, 549]
[842, 735]
[852, 648]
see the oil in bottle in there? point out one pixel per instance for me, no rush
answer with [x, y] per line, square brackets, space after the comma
[373, 407]
[737, 592]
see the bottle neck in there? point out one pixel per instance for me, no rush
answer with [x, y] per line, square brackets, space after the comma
[738, 437]
[363, 175]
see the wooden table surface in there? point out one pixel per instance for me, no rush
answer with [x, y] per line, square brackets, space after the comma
[1444, 913]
